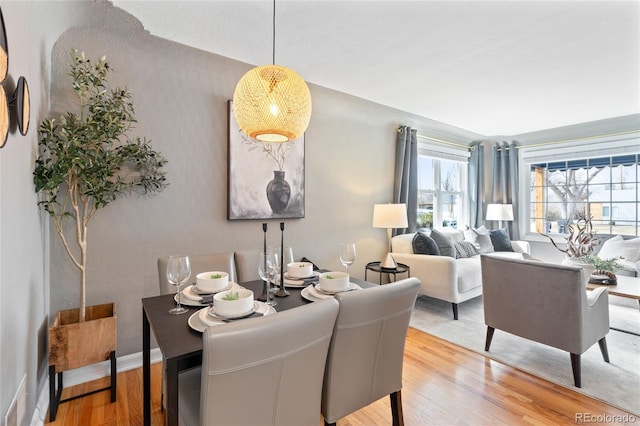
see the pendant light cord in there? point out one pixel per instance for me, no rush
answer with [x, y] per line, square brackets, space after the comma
[273, 59]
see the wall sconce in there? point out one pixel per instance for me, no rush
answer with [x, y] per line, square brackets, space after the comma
[20, 100]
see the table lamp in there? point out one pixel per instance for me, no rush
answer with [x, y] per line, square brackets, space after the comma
[499, 212]
[389, 216]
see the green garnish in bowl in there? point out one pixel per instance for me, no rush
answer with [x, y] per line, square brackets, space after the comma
[302, 265]
[231, 296]
[216, 276]
[329, 277]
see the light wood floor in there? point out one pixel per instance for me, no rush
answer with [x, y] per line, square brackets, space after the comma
[444, 384]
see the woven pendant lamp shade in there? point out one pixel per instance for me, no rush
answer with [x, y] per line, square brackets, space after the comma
[272, 104]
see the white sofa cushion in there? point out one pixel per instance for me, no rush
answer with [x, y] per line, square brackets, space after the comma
[629, 250]
[469, 274]
[480, 238]
[402, 243]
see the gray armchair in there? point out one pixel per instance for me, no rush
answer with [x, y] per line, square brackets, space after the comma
[546, 303]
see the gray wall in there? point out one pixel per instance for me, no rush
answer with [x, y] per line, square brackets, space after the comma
[32, 28]
[181, 97]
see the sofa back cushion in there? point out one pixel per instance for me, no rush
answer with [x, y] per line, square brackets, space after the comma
[424, 244]
[402, 243]
[500, 239]
[480, 238]
[619, 247]
[445, 243]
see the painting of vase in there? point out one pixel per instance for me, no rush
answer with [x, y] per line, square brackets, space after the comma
[265, 180]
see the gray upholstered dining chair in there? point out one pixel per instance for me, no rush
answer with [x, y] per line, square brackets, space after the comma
[247, 263]
[260, 371]
[546, 303]
[367, 349]
[199, 263]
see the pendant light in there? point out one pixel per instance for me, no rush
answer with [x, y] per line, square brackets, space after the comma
[272, 103]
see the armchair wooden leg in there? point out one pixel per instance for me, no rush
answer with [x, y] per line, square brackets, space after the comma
[455, 310]
[396, 408]
[487, 342]
[575, 366]
[603, 348]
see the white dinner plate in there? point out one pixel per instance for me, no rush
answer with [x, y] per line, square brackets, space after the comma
[189, 298]
[201, 319]
[306, 293]
[318, 288]
[290, 277]
[317, 295]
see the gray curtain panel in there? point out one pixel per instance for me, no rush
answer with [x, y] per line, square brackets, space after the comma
[405, 188]
[505, 179]
[476, 184]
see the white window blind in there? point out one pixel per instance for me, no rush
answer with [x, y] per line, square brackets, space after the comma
[593, 148]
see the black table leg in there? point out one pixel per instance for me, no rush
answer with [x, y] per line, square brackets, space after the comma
[172, 392]
[146, 370]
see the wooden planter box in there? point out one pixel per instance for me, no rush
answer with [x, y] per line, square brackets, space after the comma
[74, 344]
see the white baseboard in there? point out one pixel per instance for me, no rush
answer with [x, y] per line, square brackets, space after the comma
[87, 374]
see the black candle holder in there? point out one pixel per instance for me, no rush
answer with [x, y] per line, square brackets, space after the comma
[282, 292]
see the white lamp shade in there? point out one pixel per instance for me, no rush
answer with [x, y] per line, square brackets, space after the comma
[499, 212]
[390, 216]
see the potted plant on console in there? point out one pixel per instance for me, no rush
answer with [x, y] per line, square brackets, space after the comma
[87, 160]
[580, 242]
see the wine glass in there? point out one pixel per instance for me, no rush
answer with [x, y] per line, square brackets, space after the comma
[347, 254]
[178, 272]
[267, 271]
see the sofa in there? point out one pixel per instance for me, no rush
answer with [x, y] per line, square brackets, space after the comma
[626, 251]
[448, 278]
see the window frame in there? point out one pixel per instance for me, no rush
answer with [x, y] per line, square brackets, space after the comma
[438, 154]
[613, 145]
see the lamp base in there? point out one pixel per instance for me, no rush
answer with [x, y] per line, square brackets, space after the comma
[388, 262]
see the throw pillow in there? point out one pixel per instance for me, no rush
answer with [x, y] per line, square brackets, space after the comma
[445, 244]
[424, 244]
[500, 239]
[619, 247]
[465, 249]
[480, 238]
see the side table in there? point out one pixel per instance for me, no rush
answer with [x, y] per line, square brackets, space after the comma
[400, 268]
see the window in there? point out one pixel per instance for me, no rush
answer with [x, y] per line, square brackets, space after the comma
[605, 188]
[440, 197]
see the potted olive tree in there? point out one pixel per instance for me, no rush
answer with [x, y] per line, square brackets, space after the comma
[87, 159]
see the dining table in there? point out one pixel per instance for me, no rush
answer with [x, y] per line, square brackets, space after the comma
[181, 346]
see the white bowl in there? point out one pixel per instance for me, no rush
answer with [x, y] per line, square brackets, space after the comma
[231, 308]
[212, 281]
[300, 269]
[334, 282]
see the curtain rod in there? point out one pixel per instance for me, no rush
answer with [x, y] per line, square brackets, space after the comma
[459, 145]
[577, 139]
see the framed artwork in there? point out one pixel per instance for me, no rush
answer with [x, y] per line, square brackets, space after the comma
[265, 180]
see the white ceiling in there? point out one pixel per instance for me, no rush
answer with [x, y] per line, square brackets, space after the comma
[490, 67]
